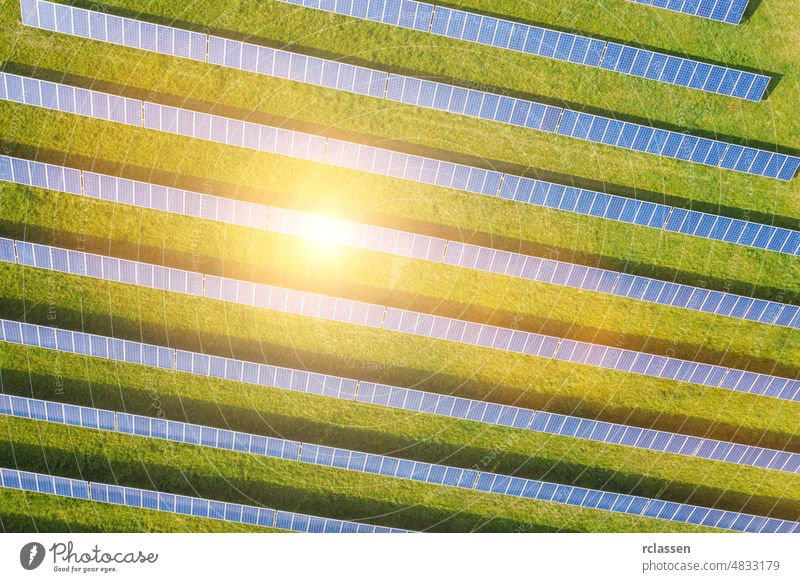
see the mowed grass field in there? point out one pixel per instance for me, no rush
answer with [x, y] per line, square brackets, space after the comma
[765, 42]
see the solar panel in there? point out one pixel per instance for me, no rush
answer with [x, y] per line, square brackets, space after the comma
[419, 246]
[348, 389]
[296, 67]
[114, 29]
[195, 506]
[7, 254]
[564, 46]
[381, 465]
[470, 102]
[410, 322]
[71, 100]
[550, 347]
[254, 215]
[109, 268]
[729, 11]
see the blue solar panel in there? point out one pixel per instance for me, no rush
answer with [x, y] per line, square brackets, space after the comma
[7, 253]
[114, 29]
[120, 190]
[545, 346]
[728, 11]
[373, 83]
[553, 44]
[109, 268]
[153, 500]
[411, 400]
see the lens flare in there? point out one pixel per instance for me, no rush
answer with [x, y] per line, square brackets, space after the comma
[326, 232]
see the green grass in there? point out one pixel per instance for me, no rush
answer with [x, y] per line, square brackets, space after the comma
[765, 42]
[21, 511]
[292, 182]
[379, 278]
[240, 478]
[135, 389]
[255, 334]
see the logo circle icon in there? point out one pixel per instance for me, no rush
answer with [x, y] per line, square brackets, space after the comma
[31, 555]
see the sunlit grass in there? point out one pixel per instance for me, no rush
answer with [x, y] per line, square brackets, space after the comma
[766, 42]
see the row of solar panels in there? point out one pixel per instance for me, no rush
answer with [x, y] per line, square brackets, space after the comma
[498, 338]
[542, 270]
[273, 219]
[103, 267]
[394, 397]
[534, 268]
[388, 163]
[492, 107]
[484, 412]
[730, 11]
[181, 504]
[422, 324]
[553, 44]
[406, 469]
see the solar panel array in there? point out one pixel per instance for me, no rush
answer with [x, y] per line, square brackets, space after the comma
[282, 64]
[365, 236]
[552, 44]
[596, 129]
[233, 132]
[180, 504]
[659, 216]
[455, 330]
[247, 214]
[425, 170]
[452, 99]
[294, 301]
[730, 11]
[296, 67]
[406, 469]
[395, 397]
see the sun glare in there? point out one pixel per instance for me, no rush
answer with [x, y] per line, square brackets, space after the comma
[326, 232]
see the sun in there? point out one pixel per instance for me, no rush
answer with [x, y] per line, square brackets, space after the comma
[327, 233]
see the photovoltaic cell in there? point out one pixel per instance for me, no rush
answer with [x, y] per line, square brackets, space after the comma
[366, 392]
[423, 93]
[109, 268]
[729, 11]
[159, 501]
[378, 316]
[563, 46]
[71, 99]
[296, 67]
[377, 464]
[114, 29]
